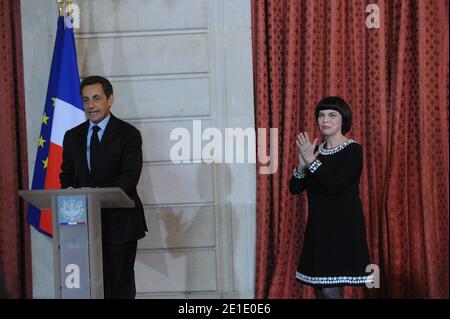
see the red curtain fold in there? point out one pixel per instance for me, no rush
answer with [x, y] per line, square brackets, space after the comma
[15, 252]
[395, 78]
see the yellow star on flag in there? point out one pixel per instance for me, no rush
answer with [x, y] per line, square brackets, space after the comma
[41, 142]
[54, 101]
[45, 162]
[45, 118]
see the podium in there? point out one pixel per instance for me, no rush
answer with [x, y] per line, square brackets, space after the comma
[77, 236]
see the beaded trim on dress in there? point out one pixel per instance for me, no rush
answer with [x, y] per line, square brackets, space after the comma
[352, 280]
[334, 150]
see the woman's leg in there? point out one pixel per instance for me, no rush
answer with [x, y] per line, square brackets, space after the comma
[318, 292]
[332, 293]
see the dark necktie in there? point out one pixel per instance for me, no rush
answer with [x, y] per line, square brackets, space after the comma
[95, 145]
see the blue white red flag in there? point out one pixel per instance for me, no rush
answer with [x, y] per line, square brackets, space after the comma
[63, 110]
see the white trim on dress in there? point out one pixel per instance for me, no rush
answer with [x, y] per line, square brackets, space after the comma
[351, 280]
[334, 150]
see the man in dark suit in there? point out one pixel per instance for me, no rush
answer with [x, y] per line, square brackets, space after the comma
[105, 151]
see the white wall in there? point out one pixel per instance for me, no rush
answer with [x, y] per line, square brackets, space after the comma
[37, 39]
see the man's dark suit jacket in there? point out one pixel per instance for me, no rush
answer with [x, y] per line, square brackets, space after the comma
[119, 164]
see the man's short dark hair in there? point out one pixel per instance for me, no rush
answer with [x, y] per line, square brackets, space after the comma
[94, 79]
[338, 104]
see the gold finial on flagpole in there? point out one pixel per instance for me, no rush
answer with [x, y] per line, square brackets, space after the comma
[69, 8]
[60, 7]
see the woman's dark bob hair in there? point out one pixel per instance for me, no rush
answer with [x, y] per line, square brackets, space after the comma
[338, 104]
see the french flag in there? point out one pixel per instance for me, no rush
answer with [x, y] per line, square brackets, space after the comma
[63, 110]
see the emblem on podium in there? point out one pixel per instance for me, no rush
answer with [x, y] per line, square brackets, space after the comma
[72, 210]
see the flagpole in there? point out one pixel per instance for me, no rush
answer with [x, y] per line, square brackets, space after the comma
[60, 7]
[69, 7]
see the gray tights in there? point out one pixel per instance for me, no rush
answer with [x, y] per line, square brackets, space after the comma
[329, 293]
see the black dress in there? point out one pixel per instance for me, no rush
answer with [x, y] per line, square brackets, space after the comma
[335, 251]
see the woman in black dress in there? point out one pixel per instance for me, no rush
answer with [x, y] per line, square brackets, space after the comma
[335, 251]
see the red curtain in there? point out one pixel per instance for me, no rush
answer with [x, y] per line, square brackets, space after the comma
[395, 79]
[15, 253]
